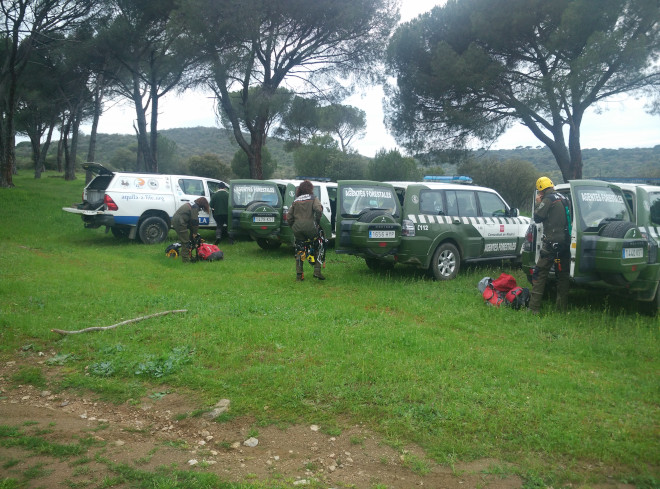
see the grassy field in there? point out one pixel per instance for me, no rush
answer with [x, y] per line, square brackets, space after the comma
[416, 360]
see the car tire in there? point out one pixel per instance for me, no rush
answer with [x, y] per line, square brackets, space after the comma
[616, 229]
[153, 230]
[268, 244]
[446, 262]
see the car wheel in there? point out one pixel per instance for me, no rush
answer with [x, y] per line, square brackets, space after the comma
[268, 244]
[120, 232]
[616, 229]
[446, 262]
[153, 230]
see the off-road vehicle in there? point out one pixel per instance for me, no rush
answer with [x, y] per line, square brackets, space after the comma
[139, 204]
[258, 209]
[433, 226]
[609, 249]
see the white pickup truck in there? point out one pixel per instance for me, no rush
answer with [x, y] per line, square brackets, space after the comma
[140, 204]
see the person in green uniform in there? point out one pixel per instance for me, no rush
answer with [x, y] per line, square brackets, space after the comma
[304, 217]
[220, 208]
[186, 224]
[553, 210]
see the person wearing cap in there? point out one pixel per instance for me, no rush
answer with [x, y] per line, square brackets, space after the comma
[304, 217]
[186, 224]
[552, 210]
[220, 208]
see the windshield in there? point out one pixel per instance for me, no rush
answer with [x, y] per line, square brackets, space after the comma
[244, 194]
[356, 199]
[600, 205]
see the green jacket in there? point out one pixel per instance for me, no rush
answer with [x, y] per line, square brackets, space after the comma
[551, 211]
[304, 215]
[220, 203]
[186, 217]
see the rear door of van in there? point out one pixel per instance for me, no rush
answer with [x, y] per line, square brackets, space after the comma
[368, 219]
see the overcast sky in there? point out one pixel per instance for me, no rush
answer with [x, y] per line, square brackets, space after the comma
[620, 123]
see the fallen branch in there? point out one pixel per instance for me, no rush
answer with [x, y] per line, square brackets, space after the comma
[103, 328]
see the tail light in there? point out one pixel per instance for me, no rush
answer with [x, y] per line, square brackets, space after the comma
[529, 235]
[407, 228]
[109, 203]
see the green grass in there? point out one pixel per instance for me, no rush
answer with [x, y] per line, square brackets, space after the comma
[416, 360]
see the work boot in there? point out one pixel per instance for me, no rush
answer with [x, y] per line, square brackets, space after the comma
[217, 242]
[300, 277]
[317, 271]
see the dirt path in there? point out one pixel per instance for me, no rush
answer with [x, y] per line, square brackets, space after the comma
[161, 432]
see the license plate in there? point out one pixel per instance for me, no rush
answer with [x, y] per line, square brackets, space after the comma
[381, 234]
[633, 253]
[263, 219]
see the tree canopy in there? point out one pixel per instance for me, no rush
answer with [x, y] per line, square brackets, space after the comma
[263, 43]
[469, 69]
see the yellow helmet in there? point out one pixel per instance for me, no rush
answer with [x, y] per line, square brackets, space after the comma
[543, 183]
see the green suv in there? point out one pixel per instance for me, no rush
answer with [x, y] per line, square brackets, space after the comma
[258, 209]
[608, 248]
[429, 225]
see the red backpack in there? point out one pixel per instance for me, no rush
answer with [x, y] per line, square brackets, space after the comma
[504, 282]
[209, 252]
[493, 297]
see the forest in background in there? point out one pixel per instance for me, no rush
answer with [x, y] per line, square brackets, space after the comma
[119, 150]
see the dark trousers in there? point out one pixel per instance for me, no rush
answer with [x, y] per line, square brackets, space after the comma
[184, 239]
[540, 278]
[221, 225]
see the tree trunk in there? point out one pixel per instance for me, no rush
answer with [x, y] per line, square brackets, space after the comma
[153, 153]
[60, 145]
[143, 142]
[35, 142]
[70, 162]
[46, 146]
[98, 104]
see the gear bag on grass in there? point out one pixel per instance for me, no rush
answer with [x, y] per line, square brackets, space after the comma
[517, 298]
[209, 252]
[493, 297]
[173, 250]
[504, 283]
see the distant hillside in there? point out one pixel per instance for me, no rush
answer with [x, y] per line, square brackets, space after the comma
[117, 148]
[596, 162]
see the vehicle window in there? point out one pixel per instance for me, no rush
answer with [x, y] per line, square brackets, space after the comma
[467, 203]
[356, 199]
[244, 194]
[431, 202]
[213, 186]
[191, 186]
[629, 199]
[491, 205]
[654, 203]
[598, 205]
[452, 204]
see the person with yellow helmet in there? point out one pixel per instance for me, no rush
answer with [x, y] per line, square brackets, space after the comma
[553, 210]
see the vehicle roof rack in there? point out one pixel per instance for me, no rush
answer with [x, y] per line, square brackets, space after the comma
[448, 179]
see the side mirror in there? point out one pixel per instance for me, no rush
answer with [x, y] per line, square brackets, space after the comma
[514, 212]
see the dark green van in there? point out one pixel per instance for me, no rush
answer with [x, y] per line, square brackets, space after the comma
[429, 225]
[609, 250]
